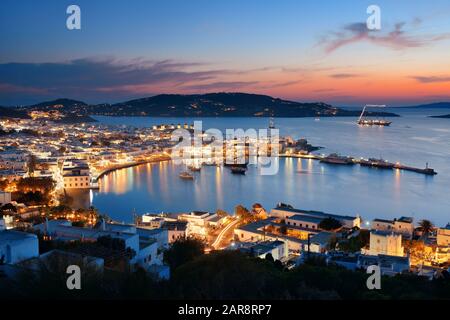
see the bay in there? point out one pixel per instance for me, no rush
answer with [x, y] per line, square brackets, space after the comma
[412, 139]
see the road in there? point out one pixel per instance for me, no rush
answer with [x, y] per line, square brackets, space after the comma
[222, 233]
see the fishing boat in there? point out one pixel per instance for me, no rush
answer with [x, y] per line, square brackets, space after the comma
[186, 175]
[335, 158]
[195, 168]
[238, 169]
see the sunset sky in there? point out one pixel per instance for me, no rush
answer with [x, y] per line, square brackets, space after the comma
[296, 50]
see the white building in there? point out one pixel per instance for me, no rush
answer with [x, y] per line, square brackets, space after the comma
[443, 236]
[278, 249]
[176, 230]
[199, 221]
[5, 197]
[152, 221]
[286, 213]
[6, 222]
[389, 265]
[385, 243]
[76, 176]
[443, 245]
[404, 226]
[17, 246]
[304, 221]
[13, 160]
[146, 243]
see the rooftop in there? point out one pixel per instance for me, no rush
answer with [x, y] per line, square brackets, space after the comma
[12, 235]
[384, 233]
[306, 218]
[384, 221]
[315, 213]
[406, 219]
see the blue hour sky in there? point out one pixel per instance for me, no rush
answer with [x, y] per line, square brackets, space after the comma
[299, 50]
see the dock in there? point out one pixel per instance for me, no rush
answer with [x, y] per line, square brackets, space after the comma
[363, 162]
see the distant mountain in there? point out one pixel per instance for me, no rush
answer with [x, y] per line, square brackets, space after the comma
[437, 105]
[6, 112]
[221, 105]
[445, 116]
[74, 111]
[200, 105]
[63, 105]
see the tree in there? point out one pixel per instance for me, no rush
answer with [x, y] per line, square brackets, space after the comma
[221, 213]
[269, 257]
[4, 184]
[329, 224]
[183, 251]
[426, 226]
[243, 213]
[227, 274]
[354, 244]
[32, 163]
[283, 229]
[258, 211]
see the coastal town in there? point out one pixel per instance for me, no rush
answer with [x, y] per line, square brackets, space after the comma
[41, 160]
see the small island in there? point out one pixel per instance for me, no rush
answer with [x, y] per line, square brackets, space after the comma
[445, 116]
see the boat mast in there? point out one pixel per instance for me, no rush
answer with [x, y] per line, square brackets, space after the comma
[370, 106]
[362, 114]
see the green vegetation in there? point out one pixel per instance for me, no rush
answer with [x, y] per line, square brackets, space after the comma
[221, 213]
[330, 224]
[183, 251]
[427, 227]
[229, 275]
[355, 244]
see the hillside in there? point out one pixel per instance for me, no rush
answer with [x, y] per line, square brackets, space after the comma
[437, 105]
[62, 105]
[73, 111]
[221, 105]
[12, 113]
[200, 105]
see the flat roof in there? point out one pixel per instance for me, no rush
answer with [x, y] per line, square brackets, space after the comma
[255, 226]
[306, 218]
[384, 221]
[13, 235]
[315, 213]
[383, 232]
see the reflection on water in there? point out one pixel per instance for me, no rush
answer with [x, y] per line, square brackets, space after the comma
[340, 189]
[303, 183]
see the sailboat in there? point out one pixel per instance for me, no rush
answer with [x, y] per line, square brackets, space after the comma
[369, 122]
[272, 123]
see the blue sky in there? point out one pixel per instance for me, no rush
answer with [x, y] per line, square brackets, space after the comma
[300, 50]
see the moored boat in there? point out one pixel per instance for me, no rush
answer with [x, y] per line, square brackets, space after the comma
[186, 175]
[238, 170]
[334, 158]
[378, 163]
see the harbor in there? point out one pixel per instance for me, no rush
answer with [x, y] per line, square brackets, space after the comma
[372, 163]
